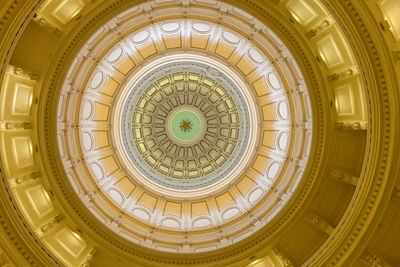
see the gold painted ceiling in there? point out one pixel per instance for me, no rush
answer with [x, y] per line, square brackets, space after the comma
[199, 133]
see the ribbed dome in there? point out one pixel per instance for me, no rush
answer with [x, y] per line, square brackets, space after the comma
[200, 97]
[199, 133]
[201, 130]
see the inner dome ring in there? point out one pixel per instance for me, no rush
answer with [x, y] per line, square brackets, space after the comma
[121, 105]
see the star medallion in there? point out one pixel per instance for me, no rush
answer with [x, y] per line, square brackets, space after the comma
[185, 125]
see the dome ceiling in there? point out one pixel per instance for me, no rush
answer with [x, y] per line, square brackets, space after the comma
[185, 126]
[199, 133]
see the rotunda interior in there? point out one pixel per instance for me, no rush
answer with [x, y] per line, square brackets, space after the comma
[199, 133]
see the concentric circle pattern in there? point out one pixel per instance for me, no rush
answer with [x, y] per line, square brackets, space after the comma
[185, 131]
[180, 133]
[188, 130]
[185, 124]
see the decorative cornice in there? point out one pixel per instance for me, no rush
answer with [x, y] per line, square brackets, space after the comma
[18, 236]
[344, 242]
[44, 23]
[396, 192]
[32, 176]
[282, 256]
[320, 27]
[50, 225]
[89, 259]
[348, 73]
[15, 125]
[22, 72]
[372, 260]
[3, 258]
[396, 56]
[352, 125]
[16, 240]
[320, 223]
[343, 177]
[7, 14]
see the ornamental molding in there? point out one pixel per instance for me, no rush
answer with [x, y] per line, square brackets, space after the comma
[15, 242]
[345, 74]
[320, 27]
[396, 192]
[44, 23]
[396, 56]
[15, 125]
[343, 243]
[352, 125]
[22, 72]
[7, 14]
[281, 255]
[372, 260]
